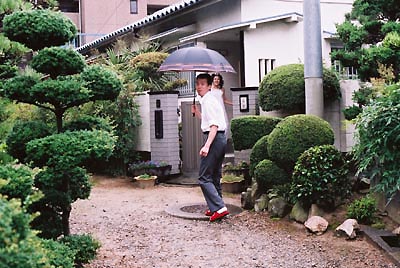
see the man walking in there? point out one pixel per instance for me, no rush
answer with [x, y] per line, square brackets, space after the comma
[212, 153]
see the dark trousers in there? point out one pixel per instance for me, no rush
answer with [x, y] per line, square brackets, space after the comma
[210, 172]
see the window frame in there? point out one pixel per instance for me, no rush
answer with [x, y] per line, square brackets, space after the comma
[137, 6]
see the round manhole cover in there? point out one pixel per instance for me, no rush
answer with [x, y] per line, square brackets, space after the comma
[195, 211]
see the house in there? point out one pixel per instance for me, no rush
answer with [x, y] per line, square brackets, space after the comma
[96, 18]
[254, 35]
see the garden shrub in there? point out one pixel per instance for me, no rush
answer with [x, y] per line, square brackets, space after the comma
[84, 246]
[295, 134]
[21, 134]
[363, 210]
[377, 149]
[87, 122]
[284, 88]
[19, 247]
[57, 61]
[247, 130]
[268, 175]
[16, 182]
[70, 148]
[320, 177]
[258, 153]
[103, 83]
[64, 180]
[58, 254]
[39, 28]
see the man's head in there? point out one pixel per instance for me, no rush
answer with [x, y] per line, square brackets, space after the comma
[203, 84]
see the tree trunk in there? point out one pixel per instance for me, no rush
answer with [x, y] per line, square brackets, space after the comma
[65, 219]
[59, 117]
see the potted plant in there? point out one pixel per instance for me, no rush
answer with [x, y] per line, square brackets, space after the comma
[241, 169]
[156, 168]
[232, 183]
[145, 181]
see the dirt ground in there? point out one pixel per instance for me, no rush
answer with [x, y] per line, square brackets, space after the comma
[135, 232]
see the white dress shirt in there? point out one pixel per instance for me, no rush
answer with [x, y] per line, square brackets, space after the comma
[212, 113]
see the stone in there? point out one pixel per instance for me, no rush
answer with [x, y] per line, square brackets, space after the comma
[246, 199]
[315, 211]
[298, 213]
[316, 224]
[349, 228]
[396, 231]
[261, 203]
[278, 207]
[254, 191]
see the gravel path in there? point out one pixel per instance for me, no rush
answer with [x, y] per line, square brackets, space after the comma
[135, 232]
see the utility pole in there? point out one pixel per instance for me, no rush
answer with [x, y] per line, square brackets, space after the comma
[313, 58]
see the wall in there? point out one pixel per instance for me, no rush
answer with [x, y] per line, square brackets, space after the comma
[284, 41]
[276, 40]
[143, 131]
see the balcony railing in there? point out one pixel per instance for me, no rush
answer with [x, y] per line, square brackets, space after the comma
[346, 73]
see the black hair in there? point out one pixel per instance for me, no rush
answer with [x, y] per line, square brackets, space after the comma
[221, 80]
[205, 76]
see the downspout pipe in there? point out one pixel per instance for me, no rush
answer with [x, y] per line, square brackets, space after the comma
[313, 58]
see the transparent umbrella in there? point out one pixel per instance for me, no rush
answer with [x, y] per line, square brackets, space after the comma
[196, 59]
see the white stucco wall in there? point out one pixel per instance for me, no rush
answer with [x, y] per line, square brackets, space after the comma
[276, 40]
[143, 131]
[281, 40]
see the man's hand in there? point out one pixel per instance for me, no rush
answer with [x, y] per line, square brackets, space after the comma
[204, 151]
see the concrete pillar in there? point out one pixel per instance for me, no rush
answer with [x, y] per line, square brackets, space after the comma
[164, 138]
[240, 96]
[313, 58]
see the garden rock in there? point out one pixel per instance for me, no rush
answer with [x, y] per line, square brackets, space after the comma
[254, 191]
[298, 213]
[316, 224]
[349, 228]
[261, 203]
[278, 207]
[246, 199]
[315, 211]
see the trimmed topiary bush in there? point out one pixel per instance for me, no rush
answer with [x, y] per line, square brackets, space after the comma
[39, 28]
[258, 153]
[294, 135]
[103, 83]
[268, 175]
[284, 88]
[57, 61]
[16, 182]
[320, 177]
[21, 134]
[84, 246]
[87, 122]
[363, 210]
[247, 130]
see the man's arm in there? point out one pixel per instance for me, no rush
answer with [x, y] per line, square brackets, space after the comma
[211, 136]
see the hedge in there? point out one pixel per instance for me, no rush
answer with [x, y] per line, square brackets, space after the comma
[247, 130]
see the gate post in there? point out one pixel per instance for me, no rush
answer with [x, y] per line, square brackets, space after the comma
[164, 133]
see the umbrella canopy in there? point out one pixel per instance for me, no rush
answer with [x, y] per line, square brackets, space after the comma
[196, 59]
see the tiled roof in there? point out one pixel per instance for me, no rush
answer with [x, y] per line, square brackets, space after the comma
[181, 5]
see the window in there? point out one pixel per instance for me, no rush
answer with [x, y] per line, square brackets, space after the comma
[264, 67]
[134, 6]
